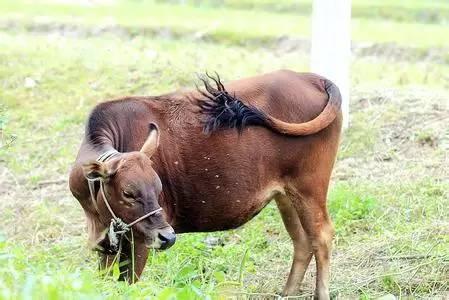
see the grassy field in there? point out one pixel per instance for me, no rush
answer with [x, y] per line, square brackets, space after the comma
[389, 197]
[224, 23]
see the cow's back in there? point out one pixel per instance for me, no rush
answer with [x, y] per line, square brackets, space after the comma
[227, 177]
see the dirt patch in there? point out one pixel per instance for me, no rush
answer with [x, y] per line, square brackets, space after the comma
[388, 51]
[413, 139]
[46, 211]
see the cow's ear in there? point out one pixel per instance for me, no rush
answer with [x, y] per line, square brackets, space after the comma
[152, 142]
[96, 170]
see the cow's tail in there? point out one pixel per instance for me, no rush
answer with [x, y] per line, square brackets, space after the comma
[223, 110]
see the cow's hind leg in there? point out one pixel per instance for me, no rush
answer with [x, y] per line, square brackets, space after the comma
[311, 207]
[302, 248]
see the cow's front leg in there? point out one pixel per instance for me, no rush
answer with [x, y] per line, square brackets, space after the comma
[129, 271]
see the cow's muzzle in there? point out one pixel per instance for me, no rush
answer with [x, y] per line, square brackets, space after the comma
[162, 239]
[167, 239]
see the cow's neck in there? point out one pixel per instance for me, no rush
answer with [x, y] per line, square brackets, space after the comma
[120, 125]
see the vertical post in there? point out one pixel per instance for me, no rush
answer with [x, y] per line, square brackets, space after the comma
[331, 45]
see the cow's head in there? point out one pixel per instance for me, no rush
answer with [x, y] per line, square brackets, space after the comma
[132, 189]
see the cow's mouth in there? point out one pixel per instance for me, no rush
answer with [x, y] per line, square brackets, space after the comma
[162, 239]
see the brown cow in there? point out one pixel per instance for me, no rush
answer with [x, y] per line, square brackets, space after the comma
[207, 176]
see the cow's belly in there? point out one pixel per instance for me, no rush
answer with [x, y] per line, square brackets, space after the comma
[228, 211]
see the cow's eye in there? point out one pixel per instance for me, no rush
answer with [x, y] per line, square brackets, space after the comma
[128, 195]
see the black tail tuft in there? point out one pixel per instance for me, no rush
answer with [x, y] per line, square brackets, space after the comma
[221, 110]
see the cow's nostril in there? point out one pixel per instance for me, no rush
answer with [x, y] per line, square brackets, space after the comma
[167, 239]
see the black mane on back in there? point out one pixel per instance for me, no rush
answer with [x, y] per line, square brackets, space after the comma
[222, 110]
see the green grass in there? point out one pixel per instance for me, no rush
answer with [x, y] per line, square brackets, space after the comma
[405, 10]
[388, 199]
[217, 25]
[65, 268]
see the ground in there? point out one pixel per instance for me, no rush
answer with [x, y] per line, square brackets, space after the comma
[389, 194]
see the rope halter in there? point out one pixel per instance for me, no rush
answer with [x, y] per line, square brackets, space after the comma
[117, 227]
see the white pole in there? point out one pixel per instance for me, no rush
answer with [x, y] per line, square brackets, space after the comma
[331, 45]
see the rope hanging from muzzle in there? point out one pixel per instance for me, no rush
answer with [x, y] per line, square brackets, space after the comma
[117, 229]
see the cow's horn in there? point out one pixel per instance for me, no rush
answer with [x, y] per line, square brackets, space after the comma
[152, 141]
